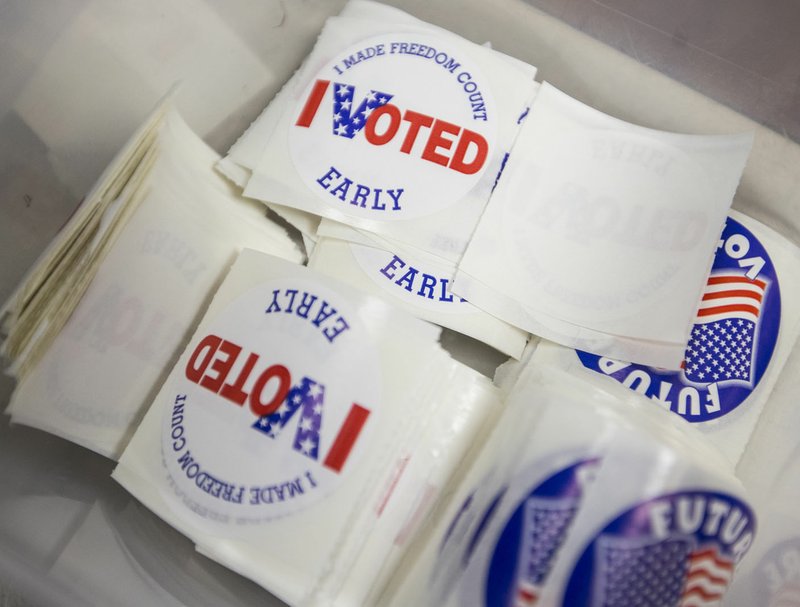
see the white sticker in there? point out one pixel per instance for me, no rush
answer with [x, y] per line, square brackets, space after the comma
[586, 228]
[398, 127]
[274, 403]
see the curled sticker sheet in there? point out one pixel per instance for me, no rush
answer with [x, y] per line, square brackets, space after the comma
[420, 285]
[658, 521]
[391, 125]
[600, 233]
[743, 333]
[93, 382]
[664, 518]
[302, 415]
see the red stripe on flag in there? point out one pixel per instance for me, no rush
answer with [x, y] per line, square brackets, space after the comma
[706, 576]
[346, 438]
[526, 595]
[720, 280]
[312, 103]
[724, 309]
[733, 293]
[712, 553]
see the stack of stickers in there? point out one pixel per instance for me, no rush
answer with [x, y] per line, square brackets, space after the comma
[308, 434]
[582, 497]
[397, 130]
[95, 326]
[598, 235]
[305, 433]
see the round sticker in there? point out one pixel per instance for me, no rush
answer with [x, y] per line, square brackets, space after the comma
[413, 283]
[571, 226]
[397, 127]
[526, 548]
[273, 405]
[731, 343]
[677, 549]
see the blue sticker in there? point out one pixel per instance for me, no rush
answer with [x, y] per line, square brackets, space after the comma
[675, 550]
[532, 535]
[731, 343]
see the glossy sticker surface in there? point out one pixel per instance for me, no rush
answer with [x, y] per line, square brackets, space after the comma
[398, 127]
[274, 404]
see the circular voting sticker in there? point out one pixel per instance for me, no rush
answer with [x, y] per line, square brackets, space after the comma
[731, 343]
[273, 405]
[396, 127]
[677, 549]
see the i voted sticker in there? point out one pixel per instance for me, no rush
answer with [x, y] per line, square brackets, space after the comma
[412, 282]
[675, 550]
[397, 127]
[731, 343]
[273, 405]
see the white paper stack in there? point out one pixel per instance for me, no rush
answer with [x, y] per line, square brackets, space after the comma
[93, 330]
[305, 433]
[419, 284]
[393, 126]
[600, 233]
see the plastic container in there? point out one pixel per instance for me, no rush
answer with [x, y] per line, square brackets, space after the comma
[78, 78]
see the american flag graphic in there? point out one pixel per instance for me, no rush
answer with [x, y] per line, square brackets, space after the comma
[347, 120]
[544, 526]
[722, 343]
[667, 573]
[308, 399]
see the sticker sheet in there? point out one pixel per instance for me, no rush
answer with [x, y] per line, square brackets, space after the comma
[604, 231]
[571, 476]
[286, 424]
[392, 125]
[95, 381]
[419, 285]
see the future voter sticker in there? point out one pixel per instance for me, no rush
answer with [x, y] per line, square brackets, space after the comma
[273, 405]
[776, 579]
[731, 343]
[677, 550]
[531, 537]
[415, 283]
[396, 127]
